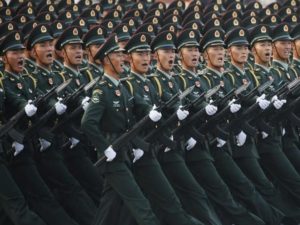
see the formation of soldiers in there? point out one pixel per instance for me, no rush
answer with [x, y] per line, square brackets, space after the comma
[133, 112]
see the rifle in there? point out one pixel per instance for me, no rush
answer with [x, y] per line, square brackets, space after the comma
[131, 134]
[188, 125]
[42, 98]
[44, 118]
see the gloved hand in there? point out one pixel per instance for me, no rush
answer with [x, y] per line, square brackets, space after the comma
[182, 114]
[85, 102]
[18, 147]
[167, 149]
[191, 142]
[60, 108]
[211, 109]
[221, 142]
[30, 109]
[138, 153]
[262, 102]
[277, 103]
[234, 107]
[74, 142]
[44, 144]
[110, 154]
[154, 114]
[264, 135]
[241, 138]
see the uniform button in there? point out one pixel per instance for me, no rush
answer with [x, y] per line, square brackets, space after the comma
[128, 120]
[127, 109]
[117, 110]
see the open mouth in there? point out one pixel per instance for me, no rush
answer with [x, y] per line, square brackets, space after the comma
[78, 57]
[220, 59]
[268, 54]
[20, 62]
[171, 62]
[49, 55]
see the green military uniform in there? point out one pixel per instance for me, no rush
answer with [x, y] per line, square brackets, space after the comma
[238, 183]
[147, 170]
[76, 155]
[50, 160]
[109, 114]
[199, 158]
[22, 166]
[246, 156]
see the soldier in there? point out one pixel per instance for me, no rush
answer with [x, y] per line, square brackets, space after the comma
[244, 149]
[50, 160]
[188, 190]
[157, 188]
[19, 96]
[57, 28]
[75, 152]
[109, 114]
[212, 45]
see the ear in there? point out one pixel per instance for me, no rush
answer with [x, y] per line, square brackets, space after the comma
[205, 55]
[4, 59]
[154, 55]
[33, 52]
[229, 51]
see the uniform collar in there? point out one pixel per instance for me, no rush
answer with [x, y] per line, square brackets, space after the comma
[12, 76]
[215, 71]
[238, 70]
[72, 71]
[283, 64]
[169, 77]
[59, 63]
[189, 72]
[141, 77]
[94, 66]
[266, 69]
[113, 80]
[43, 70]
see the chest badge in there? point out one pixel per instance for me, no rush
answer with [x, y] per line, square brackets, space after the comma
[30, 91]
[19, 86]
[50, 81]
[77, 82]
[170, 83]
[197, 83]
[146, 88]
[118, 93]
[245, 81]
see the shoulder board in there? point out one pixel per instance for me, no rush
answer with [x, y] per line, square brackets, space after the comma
[151, 75]
[123, 79]
[101, 82]
[83, 69]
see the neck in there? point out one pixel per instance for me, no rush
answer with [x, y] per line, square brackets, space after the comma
[280, 59]
[8, 69]
[162, 69]
[241, 66]
[136, 72]
[217, 68]
[189, 68]
[47, 67]
[111, 72]
[259, 62]
[72, 66]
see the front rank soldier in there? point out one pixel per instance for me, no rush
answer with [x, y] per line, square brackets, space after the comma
[269, 145]
[110, 114]
[49, 158]
[157, 189]
[192, 196]
[75, 154]
[19, 96]
[244, 150]
[212, 45]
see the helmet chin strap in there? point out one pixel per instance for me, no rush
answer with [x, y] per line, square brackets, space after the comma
[112, 65]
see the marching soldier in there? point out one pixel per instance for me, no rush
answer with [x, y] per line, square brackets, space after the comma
[109, 114]
[212, 45]
[157, 188]
[49, 158]
[76, 151]
[19, 96]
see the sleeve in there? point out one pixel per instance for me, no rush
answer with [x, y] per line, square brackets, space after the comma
[91, 120]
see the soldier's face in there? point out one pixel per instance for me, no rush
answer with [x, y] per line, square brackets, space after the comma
[239, 54]
[190, 57]
[44, 53]
[117, 59]
[14, 61]
[73, 54]
[92, 50]
[140, 61]
[262, 51]
[282, 49]
[214, 56]
[165, 59]
[296, 47]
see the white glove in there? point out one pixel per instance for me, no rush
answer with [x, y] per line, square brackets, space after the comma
[264, 135]
[60, 108]
[277, 103]
[241, 138]
[182, 114]
[74, 142]
[85, 102]
[18, 147]
[190, 143]
[110, 154]
[221, 142]
[167, 149]
[262, 102]
[211, 109]
[154, 114]
[30, 109]
[234, 107]
[44, 144]
[138, 153]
